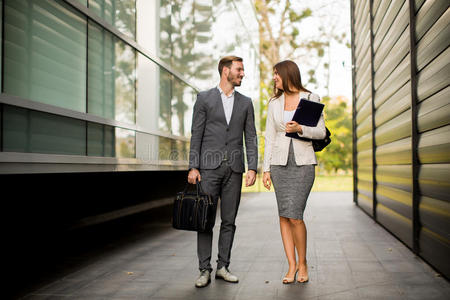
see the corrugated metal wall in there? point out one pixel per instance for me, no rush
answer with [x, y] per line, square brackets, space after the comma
[363, 105]
[401, 121]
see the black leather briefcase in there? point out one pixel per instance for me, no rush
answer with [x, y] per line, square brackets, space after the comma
[193, 210]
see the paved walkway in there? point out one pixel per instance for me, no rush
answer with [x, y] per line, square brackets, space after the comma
[350, 257]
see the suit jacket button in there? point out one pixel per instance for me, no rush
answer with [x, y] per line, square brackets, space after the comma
[226, 143]
[228, 129]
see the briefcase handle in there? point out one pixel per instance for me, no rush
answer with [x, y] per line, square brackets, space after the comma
[198, 188]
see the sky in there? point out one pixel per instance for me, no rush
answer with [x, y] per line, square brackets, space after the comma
[340, 71]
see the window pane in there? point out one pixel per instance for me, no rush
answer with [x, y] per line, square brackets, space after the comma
[100, 71]
[183, 98]
[176, 101]
[125, 81]
[32, 131]
[15, 129]
[165, 38]
[109, 141]
[186, 39]
[165, 98]
[170, 149]
[100, 140]
[112, 76]
[125, 143]
[119, 13]
[45, 53]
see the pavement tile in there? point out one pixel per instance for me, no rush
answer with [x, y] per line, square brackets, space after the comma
[381, 291]
[341, 295]
[424, 291]
[365, 266]
[349, 257]
[402, 265]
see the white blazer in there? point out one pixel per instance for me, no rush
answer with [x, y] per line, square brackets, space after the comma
[276, 149]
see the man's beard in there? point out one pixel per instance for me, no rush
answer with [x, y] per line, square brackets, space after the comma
[231, 79]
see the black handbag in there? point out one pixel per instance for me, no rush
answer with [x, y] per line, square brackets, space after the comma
[318, 145]
[193, 210]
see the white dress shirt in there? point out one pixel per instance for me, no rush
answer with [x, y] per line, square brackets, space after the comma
[288, 115]
[228, 102]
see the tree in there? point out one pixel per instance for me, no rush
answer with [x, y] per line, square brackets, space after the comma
[281, 37]
[337, 155]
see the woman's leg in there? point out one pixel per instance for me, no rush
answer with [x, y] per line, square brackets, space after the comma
[289, 246]
[299, 234]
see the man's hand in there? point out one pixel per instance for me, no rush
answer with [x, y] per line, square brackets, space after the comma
[250, 178]
[266, 180]
[194, 176]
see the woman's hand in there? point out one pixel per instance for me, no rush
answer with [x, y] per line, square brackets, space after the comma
[292, 127]
[266, 180]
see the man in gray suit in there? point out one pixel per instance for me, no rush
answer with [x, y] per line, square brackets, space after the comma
[222, 117]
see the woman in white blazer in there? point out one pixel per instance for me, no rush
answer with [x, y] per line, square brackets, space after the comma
[289, 163]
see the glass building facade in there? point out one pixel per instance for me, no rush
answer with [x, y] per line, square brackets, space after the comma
[109, 85]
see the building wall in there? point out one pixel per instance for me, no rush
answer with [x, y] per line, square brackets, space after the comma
[96, 102]
[401, 118]
[109, 85]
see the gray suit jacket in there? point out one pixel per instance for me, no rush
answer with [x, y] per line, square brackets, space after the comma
[213, 139]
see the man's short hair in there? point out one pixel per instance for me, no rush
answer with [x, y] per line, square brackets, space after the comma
[227, 61]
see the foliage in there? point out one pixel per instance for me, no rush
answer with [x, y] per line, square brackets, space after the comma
[321, 183]
[274, 39]
[338, 119]
[281, 37]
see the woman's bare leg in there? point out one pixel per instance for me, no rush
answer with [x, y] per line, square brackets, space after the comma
[289, 245]
[299, 233]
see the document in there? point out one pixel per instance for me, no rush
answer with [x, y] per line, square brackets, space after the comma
[307, 113]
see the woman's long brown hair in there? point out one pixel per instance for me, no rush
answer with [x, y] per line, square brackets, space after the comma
[290, 75]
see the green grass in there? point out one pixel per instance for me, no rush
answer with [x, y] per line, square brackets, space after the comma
[322, 183]
[333, 183]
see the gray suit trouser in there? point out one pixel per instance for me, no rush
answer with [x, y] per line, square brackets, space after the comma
[225, 184]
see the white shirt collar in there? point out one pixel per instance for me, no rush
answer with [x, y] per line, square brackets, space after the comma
[222, 92]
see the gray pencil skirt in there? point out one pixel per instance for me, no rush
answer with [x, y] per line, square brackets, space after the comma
[292, 186]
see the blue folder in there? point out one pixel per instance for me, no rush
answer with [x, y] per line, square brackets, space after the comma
[307, 113]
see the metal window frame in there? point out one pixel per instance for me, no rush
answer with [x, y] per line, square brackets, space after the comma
[38, 163]
[414, 130]
[372, 83]
[64, 112]
[87, 82]
[2, 58]
[354, 138]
